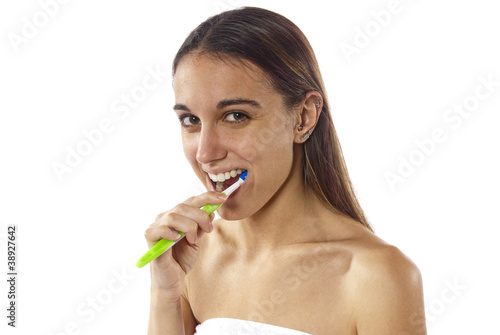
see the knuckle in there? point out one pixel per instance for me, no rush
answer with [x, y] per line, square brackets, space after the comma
[192, 233]
[182, 207]
[193, 228]
[171, 216]
[205, 220]
[158, 217]
[156, 223]
[148, 232]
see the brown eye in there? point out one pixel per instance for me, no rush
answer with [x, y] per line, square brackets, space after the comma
[189, 120]
[236, 117]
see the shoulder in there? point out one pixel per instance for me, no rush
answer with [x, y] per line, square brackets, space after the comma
[375, 259]
[385, 288]
[372, 258]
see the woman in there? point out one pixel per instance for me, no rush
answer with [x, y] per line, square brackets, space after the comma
[293, 252]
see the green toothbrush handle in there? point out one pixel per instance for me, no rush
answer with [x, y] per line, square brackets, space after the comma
[210, 208]
[156, 250]
[163, 245]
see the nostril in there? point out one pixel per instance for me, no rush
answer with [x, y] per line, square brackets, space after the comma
[209, 150]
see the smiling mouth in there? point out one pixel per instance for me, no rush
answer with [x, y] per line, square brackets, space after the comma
[222, 181]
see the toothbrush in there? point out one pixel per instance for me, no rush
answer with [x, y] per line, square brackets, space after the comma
[163, 245]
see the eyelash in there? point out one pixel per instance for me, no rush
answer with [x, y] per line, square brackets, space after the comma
[245, 116]
[183, 117]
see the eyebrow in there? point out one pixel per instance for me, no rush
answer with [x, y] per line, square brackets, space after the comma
[224, 103]
[239, 101]
[181, 107]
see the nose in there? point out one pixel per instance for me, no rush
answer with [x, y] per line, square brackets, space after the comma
[210, 147]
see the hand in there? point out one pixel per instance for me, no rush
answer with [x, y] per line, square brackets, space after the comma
[169, 270]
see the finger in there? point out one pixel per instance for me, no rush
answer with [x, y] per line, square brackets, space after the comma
[210, 197]
[154, 234]
[183, 223]
[201, 217]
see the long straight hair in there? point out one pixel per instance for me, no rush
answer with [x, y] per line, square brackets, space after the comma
[281, 50]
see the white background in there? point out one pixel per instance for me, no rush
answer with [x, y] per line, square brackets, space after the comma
[74, 235]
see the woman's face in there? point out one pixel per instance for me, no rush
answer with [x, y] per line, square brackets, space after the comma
[232, 119]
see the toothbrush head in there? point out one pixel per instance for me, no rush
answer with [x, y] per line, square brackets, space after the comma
[243, 175]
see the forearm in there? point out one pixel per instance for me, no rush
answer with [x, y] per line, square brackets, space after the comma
[165, 317]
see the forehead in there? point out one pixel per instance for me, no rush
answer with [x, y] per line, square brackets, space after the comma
[207, 79]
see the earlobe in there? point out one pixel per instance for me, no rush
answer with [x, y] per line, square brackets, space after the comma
[308, 116]
[307, 135]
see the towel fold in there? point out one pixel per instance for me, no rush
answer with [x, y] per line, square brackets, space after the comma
[227, 326]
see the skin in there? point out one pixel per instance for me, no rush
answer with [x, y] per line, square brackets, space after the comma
[278, 255]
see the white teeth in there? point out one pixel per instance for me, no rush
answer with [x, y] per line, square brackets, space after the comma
[219, 187]
[221, 177]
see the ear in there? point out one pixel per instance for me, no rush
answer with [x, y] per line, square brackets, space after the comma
[307, 116]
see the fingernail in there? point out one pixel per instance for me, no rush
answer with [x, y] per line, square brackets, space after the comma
[222, 196]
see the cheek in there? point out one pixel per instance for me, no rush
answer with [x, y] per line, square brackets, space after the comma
[267, 148]
[190, 147]
[267, 141]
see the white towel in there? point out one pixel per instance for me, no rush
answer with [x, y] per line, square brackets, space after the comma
[226, 326]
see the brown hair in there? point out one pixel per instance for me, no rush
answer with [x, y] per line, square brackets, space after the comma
[281, 50]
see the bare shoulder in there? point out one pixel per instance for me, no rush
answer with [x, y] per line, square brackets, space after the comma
[385, 288]
[371, 256]
[375, 259]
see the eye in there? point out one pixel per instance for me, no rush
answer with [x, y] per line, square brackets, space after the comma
[187, 120]
[235, 117]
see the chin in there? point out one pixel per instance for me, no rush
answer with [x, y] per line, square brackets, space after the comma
[232, 214]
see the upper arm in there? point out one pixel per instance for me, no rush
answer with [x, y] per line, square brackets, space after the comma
[190, 322]
[388, 295]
